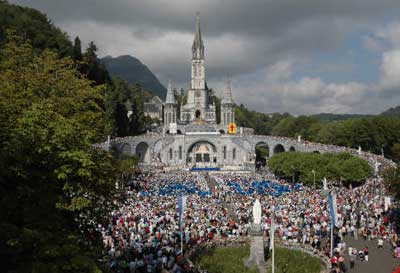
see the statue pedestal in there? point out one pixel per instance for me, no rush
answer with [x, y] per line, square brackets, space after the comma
[256, 258]
[255, 230]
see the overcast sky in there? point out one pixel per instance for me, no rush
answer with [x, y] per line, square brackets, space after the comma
[297, 56]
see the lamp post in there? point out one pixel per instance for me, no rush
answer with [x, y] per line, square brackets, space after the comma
[314, 177]
[293, 175]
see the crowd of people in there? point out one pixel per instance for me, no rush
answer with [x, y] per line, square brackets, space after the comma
[144, 234]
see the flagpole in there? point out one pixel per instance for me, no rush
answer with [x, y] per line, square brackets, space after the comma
[331, 238]
[181, 242]
[272, 239]
[273, 259]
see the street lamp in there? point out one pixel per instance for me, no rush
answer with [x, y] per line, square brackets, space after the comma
[314, 177]
[293, 175]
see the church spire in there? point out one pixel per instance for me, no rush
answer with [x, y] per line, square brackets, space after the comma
[198, 46]
[170, 94]
[228, 92]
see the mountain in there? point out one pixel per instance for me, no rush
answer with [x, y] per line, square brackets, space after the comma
[134, 71]
[327, 117]
[395, 111]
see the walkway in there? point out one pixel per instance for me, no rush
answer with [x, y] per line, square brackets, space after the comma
[212, 184]
[380, 260]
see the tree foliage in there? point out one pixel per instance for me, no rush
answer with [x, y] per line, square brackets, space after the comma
[54, 184]
[391, 177]
[35, 26]
[260, 122]
[342, 167]
[371, 133]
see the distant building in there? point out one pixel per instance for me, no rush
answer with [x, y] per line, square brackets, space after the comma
[154, 108]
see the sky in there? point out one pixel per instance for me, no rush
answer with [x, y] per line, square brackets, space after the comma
[296, 56]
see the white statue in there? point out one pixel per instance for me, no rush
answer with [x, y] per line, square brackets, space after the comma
[257, 212]
[325, 184]
[376, 169]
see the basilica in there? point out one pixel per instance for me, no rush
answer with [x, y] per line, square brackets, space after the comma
[199, 107]
[190, 136]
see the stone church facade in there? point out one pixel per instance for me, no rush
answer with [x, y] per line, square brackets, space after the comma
[199, 104]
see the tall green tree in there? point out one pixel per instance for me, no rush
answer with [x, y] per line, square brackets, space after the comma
[92, 68]
[54, 185]
[137, 120]
[391, 177]
[77, 51]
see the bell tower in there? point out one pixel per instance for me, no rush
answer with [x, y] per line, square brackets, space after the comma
[198, 69]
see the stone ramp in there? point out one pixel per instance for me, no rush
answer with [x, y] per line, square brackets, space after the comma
[379, 260]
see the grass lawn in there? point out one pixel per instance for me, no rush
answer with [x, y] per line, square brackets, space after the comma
[296, 261]
[230, 260]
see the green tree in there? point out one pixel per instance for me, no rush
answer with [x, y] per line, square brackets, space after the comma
[391, 177]
[137, 120]
[342, 167]
[92, 68]
[395, 152]
[54, 185]
[77, 51]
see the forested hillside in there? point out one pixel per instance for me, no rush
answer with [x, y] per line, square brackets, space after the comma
[371, 133]
[395, 111]
[134, 71]
[33, 25]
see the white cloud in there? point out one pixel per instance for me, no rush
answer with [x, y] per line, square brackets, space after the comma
[306, 95]
[391, 69]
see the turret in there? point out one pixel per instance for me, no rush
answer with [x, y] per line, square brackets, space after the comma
[227, 105]
[170, 108]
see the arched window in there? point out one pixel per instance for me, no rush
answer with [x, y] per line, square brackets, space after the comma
[180, 152]
[170, 154]
[234, 154]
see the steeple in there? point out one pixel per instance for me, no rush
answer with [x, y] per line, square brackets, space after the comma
[170, 94]
[228, 92]
[198, 46]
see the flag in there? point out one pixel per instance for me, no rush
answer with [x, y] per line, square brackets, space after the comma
[333, 209]
[181, 208]
[272, 231]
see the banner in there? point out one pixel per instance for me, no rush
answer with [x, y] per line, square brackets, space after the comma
[333, 209]
[181, 208]
[232, 128]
